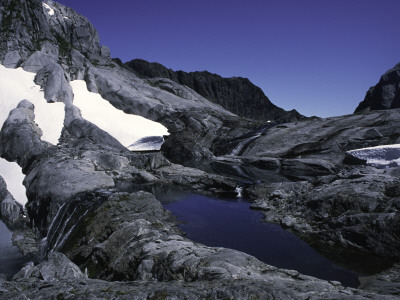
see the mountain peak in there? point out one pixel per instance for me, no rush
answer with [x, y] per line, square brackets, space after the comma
[385, 94]
[236, 94]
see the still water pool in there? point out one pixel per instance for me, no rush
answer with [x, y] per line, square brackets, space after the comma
[232, 224]
[11, 261]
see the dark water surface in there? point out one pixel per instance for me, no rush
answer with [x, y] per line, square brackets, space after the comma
[11, 261]
[232, 224]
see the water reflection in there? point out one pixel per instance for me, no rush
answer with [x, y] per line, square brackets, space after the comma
[11, 261]
[232, 224]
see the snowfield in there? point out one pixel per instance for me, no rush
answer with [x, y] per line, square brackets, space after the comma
[379, 156]
[17, 85]
[48, 9]
[126, 128]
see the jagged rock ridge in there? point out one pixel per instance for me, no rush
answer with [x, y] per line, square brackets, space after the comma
[235, 94]
[385, 94]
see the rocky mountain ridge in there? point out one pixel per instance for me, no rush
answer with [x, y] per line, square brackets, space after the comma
[385, 94]
[235, 94]
[76, 205]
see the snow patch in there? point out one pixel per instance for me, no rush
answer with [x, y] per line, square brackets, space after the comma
[126, 128]
[379, 156]
[13, 176]
[15, 86]
[48, 9]
[150, 143]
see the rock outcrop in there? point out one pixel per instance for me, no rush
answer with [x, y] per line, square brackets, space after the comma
[84, 194]
[20, 137]
[355, 209]
[385, 94]
[328, 138]
[235, 94]
[11, 212]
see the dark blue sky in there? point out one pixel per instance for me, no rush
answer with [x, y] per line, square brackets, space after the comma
[317, 56]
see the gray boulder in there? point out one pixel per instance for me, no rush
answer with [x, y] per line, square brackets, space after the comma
[52, 79]
[20, 136]
[57, 267]
[12, 59]
[387, 282]
[37, 61]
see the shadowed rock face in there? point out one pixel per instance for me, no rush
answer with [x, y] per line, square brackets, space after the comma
[384, 95]
[11, 212]
[17, 39]
[235, 94]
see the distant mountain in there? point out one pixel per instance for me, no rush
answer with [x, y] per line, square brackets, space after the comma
[385, 94]
[235, 94]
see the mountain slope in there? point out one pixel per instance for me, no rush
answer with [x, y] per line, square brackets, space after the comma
[235, 94]
[385, 94]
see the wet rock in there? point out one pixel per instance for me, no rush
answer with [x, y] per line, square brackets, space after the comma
[387, 282]
[265, 163]
[195, 179]
[349, 210]
[306, 168]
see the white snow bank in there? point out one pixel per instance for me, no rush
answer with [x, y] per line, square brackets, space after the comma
[48, 9]
[379, 156]
[13, 176]
[151, 143]
[17, 85]
[126, 128]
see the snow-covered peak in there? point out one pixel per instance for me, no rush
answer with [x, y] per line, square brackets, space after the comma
[379, 156]
[48, 9]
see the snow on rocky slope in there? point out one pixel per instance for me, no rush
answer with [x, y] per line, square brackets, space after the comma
[379, 156]
[17, 85]
[126, 128]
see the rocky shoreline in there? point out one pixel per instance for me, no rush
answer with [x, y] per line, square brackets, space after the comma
[88, 238]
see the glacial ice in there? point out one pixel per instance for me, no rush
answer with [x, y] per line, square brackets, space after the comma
[379, 156]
